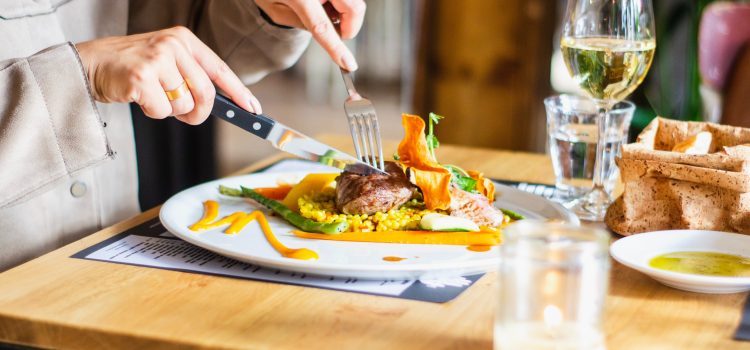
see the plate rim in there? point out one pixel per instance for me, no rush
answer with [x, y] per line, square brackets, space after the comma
[482, 264]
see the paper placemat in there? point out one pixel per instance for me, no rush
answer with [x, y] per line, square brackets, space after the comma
[150, 245]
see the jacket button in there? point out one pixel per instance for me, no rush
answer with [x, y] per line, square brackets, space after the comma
[78, 189]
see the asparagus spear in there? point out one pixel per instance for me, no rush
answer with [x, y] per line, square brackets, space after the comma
[511, 214]
[289, 215]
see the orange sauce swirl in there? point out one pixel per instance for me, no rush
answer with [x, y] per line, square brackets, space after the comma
[237, 221]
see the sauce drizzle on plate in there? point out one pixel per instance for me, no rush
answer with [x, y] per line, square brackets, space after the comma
[479, 248]
[393, 258]
[237, 221]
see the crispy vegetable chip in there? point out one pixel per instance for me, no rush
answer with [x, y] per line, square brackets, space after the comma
[433, 179]
[485, 186]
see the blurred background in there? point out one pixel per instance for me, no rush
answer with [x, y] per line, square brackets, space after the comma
[486, 66]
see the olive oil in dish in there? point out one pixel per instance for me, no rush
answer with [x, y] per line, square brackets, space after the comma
[703, 263]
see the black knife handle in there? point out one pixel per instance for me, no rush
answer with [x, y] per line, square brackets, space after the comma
[257, 124]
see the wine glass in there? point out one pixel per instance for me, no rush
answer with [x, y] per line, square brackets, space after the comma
[608, 46]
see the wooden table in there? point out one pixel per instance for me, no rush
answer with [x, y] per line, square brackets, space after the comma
[56, 301]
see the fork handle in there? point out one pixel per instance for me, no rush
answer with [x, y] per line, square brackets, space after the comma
[335, 18]
[349, 83]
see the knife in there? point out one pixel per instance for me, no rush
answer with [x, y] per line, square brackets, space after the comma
[288, 139]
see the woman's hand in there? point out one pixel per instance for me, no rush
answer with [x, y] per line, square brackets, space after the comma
[141, 68]
[310, 15]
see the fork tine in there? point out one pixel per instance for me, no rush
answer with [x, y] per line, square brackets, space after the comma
[354, 130]
[363, 137]
[376, 131]
[370, 138]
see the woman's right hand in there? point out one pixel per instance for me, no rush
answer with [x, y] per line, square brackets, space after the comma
[141, 68]
[311, 15]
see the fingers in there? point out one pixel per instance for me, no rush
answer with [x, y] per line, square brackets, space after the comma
[352, 15]
[146, 91]
[217, 71]
[177, 57]
[280, 13]
[155, 82]
[316, 21]
[202, 91]
[172, 82]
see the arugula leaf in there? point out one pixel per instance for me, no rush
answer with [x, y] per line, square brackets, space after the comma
[466, 183]
[461, 181]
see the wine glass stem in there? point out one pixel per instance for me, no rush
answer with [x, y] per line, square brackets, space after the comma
[601, 140]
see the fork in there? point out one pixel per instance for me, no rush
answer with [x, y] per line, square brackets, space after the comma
[363, 121]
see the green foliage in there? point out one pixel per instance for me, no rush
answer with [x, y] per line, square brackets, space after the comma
[672, 90]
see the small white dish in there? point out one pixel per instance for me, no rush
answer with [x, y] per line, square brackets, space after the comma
[637, 250]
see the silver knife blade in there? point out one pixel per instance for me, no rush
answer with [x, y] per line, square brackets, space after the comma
[294, 142]
[288, 139]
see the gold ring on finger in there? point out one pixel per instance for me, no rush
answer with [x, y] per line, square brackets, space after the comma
[178, 92]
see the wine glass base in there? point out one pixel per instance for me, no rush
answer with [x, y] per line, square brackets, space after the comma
[591, 207]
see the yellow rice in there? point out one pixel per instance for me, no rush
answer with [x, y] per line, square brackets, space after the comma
[321, 207]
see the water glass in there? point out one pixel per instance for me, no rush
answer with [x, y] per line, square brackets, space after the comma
[552, 286]
[572, 136]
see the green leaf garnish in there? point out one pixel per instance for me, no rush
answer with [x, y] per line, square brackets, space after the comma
[432, 141]
[461, 179]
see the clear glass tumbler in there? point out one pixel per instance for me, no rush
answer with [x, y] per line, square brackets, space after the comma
[572, 138]
[552, 285]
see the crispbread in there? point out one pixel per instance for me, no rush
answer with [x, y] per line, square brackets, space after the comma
[672, 190]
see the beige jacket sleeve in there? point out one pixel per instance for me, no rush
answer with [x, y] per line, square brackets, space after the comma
[49, 125]
[250, 45]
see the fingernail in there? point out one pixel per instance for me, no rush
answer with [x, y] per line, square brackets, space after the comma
[256, 105]
[349, 62]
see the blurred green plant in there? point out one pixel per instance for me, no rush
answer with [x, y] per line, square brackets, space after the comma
[672, 87]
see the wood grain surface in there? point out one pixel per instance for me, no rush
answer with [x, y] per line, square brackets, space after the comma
[485, 65]
[58, 302]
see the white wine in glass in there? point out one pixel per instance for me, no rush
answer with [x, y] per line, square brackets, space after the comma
[608, 68]
[608, 46]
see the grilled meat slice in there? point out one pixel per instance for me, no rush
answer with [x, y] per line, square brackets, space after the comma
[357, 194]
[475, 207]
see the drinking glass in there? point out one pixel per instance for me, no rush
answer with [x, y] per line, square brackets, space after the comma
[572, 135]
[553, 282]
[608, 46]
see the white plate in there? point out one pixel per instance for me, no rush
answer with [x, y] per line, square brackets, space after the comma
[637, 250]
[345, 259]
